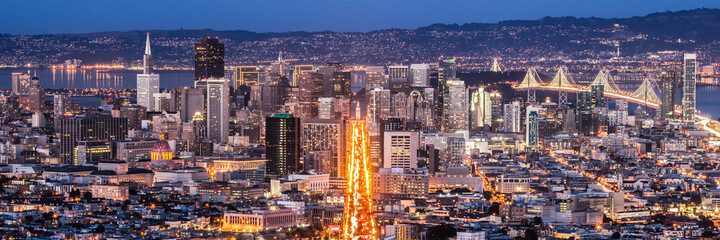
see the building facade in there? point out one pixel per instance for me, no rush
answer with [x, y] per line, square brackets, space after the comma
[282, 140]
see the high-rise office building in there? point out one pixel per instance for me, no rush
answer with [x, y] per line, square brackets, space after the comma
[379, 104]
[584, 100]
[419, 74]
[455, 152]
[399, 105]
[395, 72]
[134, 113]
[688, 88]
[456, 106]
[480, 109]
[341, 84]
[447, 69]
[326, 108]
[512, 117]
[357, 80]
[532, 121]
[589, 123]
[375, 76]
[301, 69]
[597, 95]
[246, 75]
[400, 149]
[326, 135]
[668, 79]
[280, 67]
[217, 104]
[496, 110]
[399, 85]
[209, 59]
[88, 128]
[61, 104]
[282, 143]
[328, 84]
[36, 96]
[420, 107]
[147, 83]
[191, 103]
[20, 83]
[310, 90]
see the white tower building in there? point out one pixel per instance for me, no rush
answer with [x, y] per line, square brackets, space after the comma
[147, 82]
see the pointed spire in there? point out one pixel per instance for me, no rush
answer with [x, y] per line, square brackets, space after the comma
[147, 58]
[280, 57]
[495, 66]
[147, 45]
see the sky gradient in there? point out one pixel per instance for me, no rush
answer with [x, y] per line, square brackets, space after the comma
[82, 16]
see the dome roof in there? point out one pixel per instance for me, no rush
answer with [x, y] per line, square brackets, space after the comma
[161, 146]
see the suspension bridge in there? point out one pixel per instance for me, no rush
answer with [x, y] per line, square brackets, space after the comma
[645, 94]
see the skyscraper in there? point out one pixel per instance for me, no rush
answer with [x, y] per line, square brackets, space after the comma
[419, 74]
[217, 104]
[209, 59]
[597, 95]
[61, 104]
[36, 96]
[379, 104]
[282, 143]
[511, 120]
[375, 76]
[496, 112]
[480, 109]
[668, 80]
[532, 121]
[326, 109]
[280, 67]
[341, 84]
[400, 149]
[584, 100]
[310, 90]
[246, 75]
[420, 107]
[398, 72]
[399, 105]
[134, 113]
[88, 128]
[147, 83]
[456, 106]
[301, 69]
[191, 103]
[326, 135]
[447, 69]
[20, 83]
[688, 88]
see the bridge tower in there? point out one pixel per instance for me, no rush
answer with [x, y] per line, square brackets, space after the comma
[531, 83]
[561, 81]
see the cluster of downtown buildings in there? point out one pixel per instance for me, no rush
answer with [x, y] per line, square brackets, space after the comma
[261, 154]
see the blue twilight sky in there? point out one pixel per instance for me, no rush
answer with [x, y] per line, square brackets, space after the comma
[80, 16]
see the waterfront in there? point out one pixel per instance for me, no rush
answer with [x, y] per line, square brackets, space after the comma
[708, 99]
[96, 78]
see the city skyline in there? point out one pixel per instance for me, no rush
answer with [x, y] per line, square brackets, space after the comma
[558, 128]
